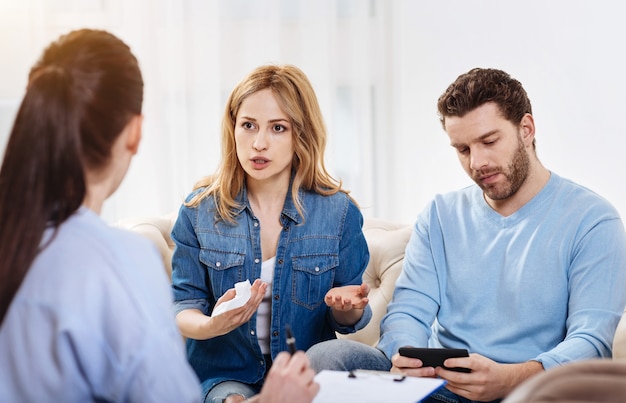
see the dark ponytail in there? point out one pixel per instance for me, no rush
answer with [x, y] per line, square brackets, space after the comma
[80, 96]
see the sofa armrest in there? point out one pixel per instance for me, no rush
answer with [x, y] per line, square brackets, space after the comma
[157, 229]
[619, 340]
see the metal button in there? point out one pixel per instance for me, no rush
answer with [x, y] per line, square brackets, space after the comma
[256, 260]
[218, 264]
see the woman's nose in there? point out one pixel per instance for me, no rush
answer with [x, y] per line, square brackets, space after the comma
[260, 141]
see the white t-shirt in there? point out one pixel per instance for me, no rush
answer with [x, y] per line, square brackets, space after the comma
[264, 313]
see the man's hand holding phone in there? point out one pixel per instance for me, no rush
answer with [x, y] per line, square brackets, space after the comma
[414, 361]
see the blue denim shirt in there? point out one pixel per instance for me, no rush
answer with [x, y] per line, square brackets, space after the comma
[315, 253]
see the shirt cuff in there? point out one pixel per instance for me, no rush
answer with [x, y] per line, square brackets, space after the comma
[360, 324]
[201, 303]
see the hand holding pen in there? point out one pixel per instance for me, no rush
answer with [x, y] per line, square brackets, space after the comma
[291, 341]
[291, 378]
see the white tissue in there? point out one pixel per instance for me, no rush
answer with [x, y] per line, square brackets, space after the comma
[242, 291]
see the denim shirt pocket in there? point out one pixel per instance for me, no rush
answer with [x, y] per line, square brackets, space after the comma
[313, 277]
[224, 269]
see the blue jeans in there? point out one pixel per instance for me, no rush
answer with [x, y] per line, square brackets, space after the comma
[348, 355]
[224, 389]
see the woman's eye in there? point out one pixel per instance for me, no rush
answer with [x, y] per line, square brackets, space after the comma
[247, 125]
[279, 128]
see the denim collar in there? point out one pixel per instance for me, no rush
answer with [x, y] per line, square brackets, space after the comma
[289, 208]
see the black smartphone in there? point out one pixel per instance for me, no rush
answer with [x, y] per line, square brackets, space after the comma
[434, 357]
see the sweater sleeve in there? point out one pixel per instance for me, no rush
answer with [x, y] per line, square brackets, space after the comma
[416, 297]
[596, 280]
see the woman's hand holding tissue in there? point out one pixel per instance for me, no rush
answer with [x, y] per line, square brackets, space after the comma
[232, 309]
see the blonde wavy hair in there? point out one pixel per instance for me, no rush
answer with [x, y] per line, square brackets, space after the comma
[295, 94]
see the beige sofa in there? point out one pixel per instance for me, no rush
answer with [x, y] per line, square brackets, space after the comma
[593, 380]
[619, 341]
[386, 242]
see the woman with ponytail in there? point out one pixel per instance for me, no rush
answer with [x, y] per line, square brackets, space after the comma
[84, 307]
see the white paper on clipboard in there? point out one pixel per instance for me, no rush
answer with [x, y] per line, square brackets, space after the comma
[337, 386]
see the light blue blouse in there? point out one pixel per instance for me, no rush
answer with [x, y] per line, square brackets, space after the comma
[92, 321]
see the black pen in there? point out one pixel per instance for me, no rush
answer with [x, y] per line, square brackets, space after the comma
[291, 341]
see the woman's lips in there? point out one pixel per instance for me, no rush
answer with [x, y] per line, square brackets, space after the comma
[259, 162]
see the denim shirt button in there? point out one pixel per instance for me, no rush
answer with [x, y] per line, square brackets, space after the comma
[275, 333]
[218, 264]
[256, 260]
[256, 224]
[280, 261]
[317, 269]
[276, 297]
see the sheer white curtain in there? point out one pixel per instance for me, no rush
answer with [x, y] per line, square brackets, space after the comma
[192, 53]
[378, 67]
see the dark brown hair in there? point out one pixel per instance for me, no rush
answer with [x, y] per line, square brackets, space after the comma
[479, 86]
[81, 94]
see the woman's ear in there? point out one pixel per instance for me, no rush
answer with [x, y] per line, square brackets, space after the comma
[134, 133]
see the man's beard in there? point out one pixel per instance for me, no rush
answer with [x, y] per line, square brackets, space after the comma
[515, 174]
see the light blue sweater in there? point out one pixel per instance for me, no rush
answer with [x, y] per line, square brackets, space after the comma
[547, 283]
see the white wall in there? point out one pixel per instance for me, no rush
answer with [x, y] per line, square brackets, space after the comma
[378, 67]
[569, 55]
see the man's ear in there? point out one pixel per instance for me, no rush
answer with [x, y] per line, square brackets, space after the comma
[134, 133]
[527, 127]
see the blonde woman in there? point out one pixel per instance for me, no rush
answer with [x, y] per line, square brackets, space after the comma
[273, 215]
